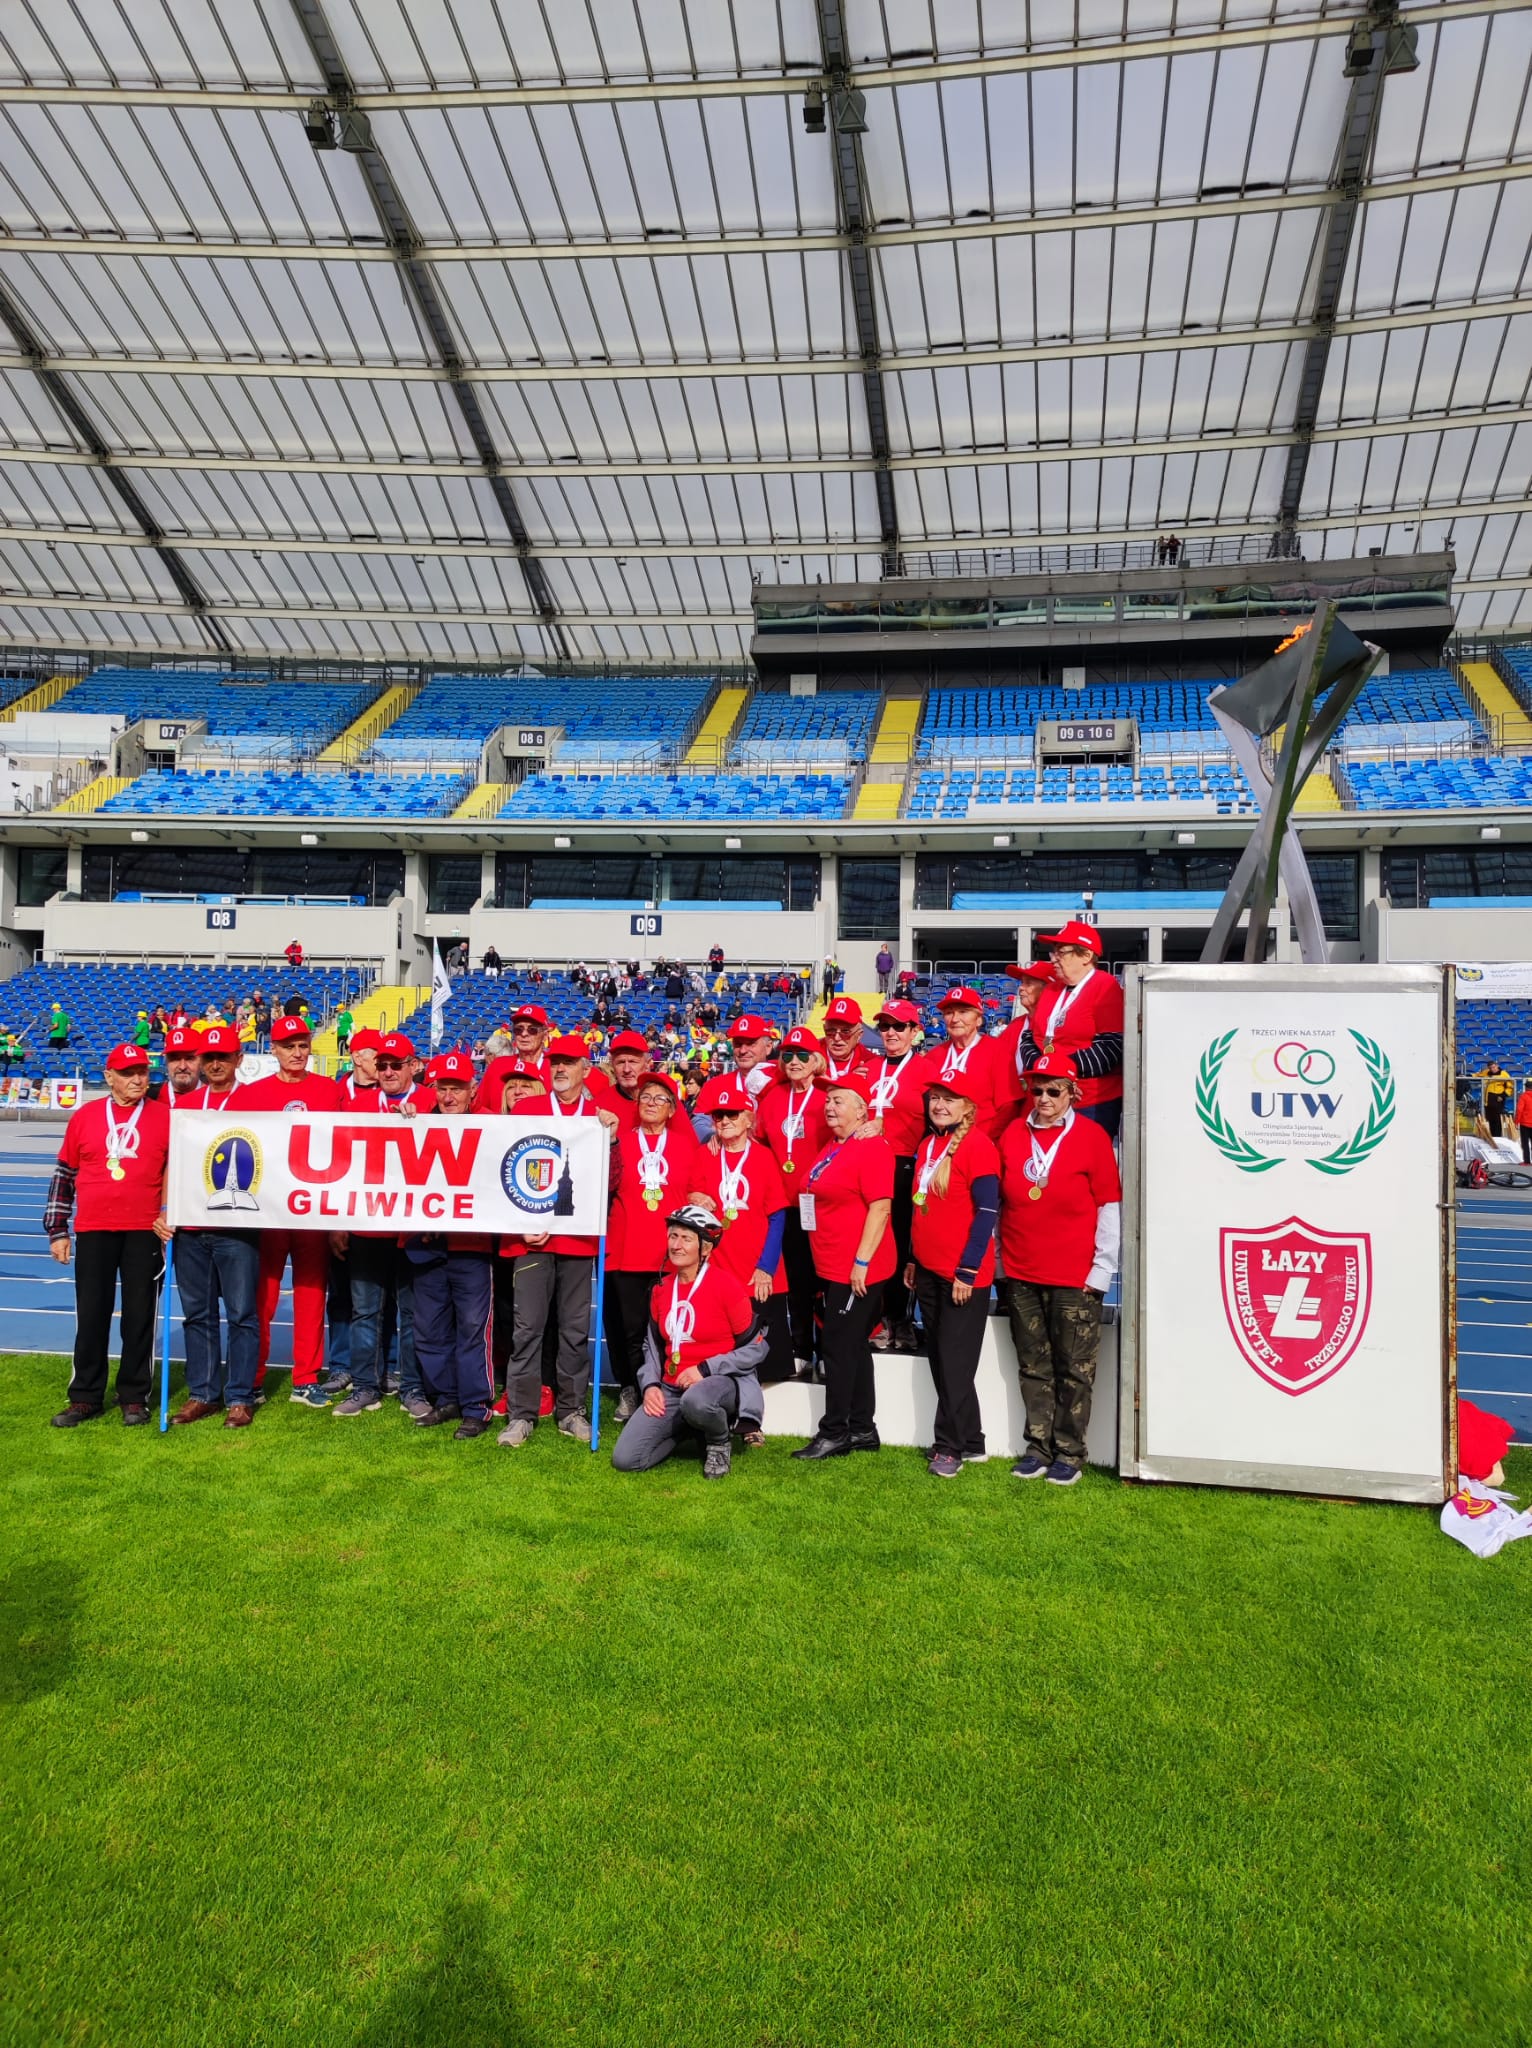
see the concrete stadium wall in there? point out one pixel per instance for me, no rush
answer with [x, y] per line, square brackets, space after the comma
[756, 935]
[1489, 934]
[383, 938]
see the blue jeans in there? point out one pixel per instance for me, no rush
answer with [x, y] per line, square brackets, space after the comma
[214, 1266]
[454, 1319]
[380, 1278]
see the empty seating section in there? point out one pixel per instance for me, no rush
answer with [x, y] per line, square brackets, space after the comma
[247, 714]
[103, 1002]
[1220, 782]
[1494, 1031]
[479, 1004]
[1415, 707]
[1495, 781]
[221, 794]
[604, 717]
[836, 725]
[1516, 665]
[678, 796]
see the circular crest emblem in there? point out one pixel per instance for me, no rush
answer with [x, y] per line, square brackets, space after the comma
[1265, 1096]
[530, 1171]
[231, 1170]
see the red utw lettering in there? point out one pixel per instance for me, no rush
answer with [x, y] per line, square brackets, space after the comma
[300, 1156]
[425, 1146]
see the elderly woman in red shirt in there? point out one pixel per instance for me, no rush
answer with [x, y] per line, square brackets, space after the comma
[654, 1168]
[737, 1175]
[952, 1238]
[1060, 1237]
[844, 1205]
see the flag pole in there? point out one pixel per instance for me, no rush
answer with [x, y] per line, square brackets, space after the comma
[600, 1303]
[170, 1275]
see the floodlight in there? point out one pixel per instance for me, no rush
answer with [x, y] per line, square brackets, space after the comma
[814, 110]
[319, 125]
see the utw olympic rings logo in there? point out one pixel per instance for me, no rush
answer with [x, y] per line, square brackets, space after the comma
[1295, 1061]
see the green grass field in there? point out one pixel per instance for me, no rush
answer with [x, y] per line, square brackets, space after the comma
[344, 1733]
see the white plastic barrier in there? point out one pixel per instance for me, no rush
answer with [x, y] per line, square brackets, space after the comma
[906, 1410]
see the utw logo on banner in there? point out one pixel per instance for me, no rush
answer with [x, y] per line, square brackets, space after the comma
[1297, 1300]
[1323, 1097]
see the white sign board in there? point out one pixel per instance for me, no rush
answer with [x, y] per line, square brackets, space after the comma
[1493, 981]
[270, 1171]
[1288, 1229]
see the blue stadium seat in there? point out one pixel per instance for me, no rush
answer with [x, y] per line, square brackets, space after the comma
[660, 797]
[348, 794]
[604, 717]
[245, 713]
[837, 724]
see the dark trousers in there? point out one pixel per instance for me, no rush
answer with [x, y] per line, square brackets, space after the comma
[625, 1320]
[213, 1267]
[337, 1350]
[1107, 1114]
[1494, 1113]
[1056, 1331]
[557, 1285]
[802, 1281]
[778, 1362]
[955, 1337]
[1526, 1143]
[897, 1303]
[454, 1303]
[850, 1392]
[101, 1259]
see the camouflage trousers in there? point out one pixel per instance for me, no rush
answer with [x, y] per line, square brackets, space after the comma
[1056, 1332]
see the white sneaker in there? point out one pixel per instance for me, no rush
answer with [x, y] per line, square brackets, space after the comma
[517, 1431]
[575, 1426]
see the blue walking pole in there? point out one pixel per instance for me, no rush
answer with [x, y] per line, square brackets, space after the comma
[170, 1274]
[595, 1377]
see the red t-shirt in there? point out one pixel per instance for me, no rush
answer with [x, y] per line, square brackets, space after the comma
[847, 1176]
[795, 1155]
[204, 1098]
[635, 1240]
[355, 1094]
[860, 1062]
[101, 1201]
[758, 1194]
[904, 1109]
[942, 1223]
[373, 1102]
[623, 1107]
[1052, 1241]
[721, 1315]
[1097, 1009]
[309, 1091]
[980, 1077]
[490, 1100]
[512, 1246]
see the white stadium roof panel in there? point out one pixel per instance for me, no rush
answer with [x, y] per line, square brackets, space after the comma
[594, 331]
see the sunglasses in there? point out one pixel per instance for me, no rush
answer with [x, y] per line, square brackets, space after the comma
[390, 1066]
[525, 1030]
[796, 1052]
[728, 1116]
[1050, 1088]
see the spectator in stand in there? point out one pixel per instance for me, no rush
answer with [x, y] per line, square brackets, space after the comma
[159, 1023]
[1079, 1015]
[111, 1177]
[140, 1032]
[675, 984]
[344, 1021]
[294, 1090]
[831, 976]
[654, 1165]
[898, 1103]
[735, 1175]
[58, 1027]
[262, 1022]
[1498, 1090]
[451, 1282]
[180, 1017]
[11, 1051]
[1524, 1124]
[715, 960]
[969, 1053]
[956, 1202]
[883, 967]
[904, 984]
[216, 1267]
[702, 1348]
[500, 1044]
[1060, 1237]
[790, 1122]
[292, 953]
[490, 961]
[844, 1206]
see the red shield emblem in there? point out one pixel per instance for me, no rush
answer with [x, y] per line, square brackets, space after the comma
[1297, 1300]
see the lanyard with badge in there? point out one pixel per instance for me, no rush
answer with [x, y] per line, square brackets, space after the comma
[1040, 1165]
[927, 1167]
[806, 1202]
[792, 1124]
[121, 1140]
[653, 1169]
[1061, 1010]
[957, 1062]
[681, 1317]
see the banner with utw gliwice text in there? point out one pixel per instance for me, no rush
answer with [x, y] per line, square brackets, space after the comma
[309, 1171]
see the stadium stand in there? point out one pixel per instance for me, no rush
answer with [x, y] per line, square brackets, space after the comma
[835, 725]
[479, 1003]
[244, 713]
[605, 717]
[1498, 1031]
[1221, 783]
[103, 1002]
[678, 796]
[1498, 781]
[216, 792]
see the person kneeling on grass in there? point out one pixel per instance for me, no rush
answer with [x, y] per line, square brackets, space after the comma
[700, 1355]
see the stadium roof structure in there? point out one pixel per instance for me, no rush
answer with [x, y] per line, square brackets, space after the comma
[477, 330]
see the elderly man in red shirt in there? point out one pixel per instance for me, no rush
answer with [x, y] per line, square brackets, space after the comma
[1079, 1017]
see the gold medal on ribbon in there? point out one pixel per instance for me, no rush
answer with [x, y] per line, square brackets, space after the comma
[920, 1198]
[730, 1215]
[789, 1166]
[116, 1171]
[651, 1198]
[1034, 1194]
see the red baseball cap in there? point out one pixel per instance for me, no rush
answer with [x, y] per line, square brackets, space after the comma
[396, 1045]
[748, 1027]
[450, 1066]
[1053, 1066]
[1073, 934]
[655, 1079]
[801, 1037]
[844, 1010]
[960, 998]
[630, 1041]
[1039, 970]
[723, 1096]
[217, 1038]
[366, 1040]
[183, 1039]
[283, 1028]
[530, 1070]
[122, 1059]
[899, 1012]
[569, 1047]
[530, 1013]
[859, 1084]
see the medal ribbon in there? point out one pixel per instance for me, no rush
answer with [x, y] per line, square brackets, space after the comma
[886, 1087]
[1061, 1010]
[957, 1062]
[653, 1168]
[681, 1317]
[121, 1139]
[733, 1188]
[792, 1122]
[1040, 1164]
[935, 1151]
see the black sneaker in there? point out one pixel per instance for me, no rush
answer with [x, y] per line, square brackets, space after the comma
[717, 1460]
[444, 1411]
[134, 1415]
[470, 1427]
[72, 1416]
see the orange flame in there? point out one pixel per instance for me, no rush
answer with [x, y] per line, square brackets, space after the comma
[1297, 634]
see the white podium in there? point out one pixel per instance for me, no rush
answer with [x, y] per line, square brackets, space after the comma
[906, 1411]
